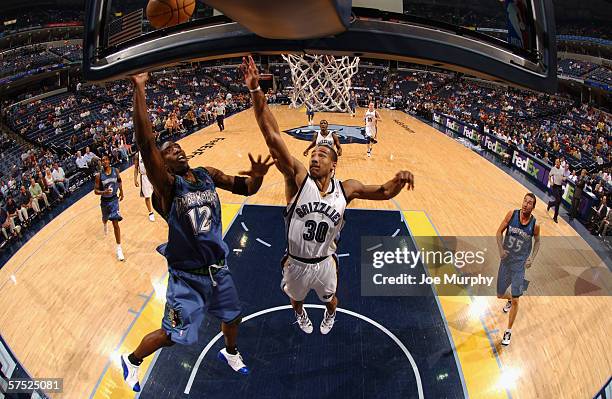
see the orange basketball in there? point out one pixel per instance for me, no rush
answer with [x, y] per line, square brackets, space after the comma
[164, 13]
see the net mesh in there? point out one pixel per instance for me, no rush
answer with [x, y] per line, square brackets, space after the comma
[321, 81]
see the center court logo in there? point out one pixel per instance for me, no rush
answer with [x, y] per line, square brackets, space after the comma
[346, 134]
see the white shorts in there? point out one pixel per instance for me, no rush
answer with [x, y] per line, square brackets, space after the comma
[299, 278]
[370, 131]
[146, 188]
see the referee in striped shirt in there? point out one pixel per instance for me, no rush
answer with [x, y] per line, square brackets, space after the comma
[219, 110]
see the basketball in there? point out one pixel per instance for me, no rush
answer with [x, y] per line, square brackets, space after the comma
[165, 13]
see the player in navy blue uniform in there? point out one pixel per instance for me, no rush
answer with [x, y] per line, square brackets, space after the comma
[199, 280]
[517, 250]
[109, 188]
[310, 114]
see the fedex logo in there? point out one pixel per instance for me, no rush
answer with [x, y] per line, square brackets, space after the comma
[471, 134]
[525, 164]
[492, 145]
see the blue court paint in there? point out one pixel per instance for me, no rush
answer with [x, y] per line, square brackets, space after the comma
[356, 359]
[311, 306]
[244, 226]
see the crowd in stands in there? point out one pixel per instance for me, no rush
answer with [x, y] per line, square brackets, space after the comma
[585, 70]
[35, 17]
[26, 59]
[71, 52]
[575, 68]
[30, 60]
[30, 184]
[78, 127]
[70, 132]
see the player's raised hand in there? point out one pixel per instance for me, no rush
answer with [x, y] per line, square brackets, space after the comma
[140, 78]
[250, 72]
[406, 179]
[259, 168]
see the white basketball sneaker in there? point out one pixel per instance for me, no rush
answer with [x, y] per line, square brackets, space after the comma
[506, 339]
[507, 306]
[151, 217]
[234, 361]
[328, 322]
[304, 322]
[130, 373]
[120, 256]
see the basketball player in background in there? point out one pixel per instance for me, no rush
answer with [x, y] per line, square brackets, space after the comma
[352, 103]
[316, 201]
[109, 188]
[141, 180]
[324, 137]
[199, 280]
[371, 119]
[310, 114]
[517, 250]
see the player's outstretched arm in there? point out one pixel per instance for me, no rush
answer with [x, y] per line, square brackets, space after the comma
[240, 184]
[354, 189]
[285, 162]
[337, 143]
[500, 235]
[312, 145]
[161, 180]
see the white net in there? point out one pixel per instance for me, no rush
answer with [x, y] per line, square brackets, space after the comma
[321, 81]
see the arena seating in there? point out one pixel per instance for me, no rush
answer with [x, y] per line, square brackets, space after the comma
[575, 68]
[602, 74]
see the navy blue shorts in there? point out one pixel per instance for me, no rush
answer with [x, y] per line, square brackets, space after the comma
[110, 210]
[189, 296]
[511, 273]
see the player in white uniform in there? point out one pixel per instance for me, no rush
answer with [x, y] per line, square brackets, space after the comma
[141, 180]
[324, 137]
[315, 210]
[371, 118]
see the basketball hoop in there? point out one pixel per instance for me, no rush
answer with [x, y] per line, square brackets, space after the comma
[321, 81]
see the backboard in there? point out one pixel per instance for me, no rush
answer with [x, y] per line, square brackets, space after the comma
[510, 41]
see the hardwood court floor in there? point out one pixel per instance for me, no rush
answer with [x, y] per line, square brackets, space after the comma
[66, 302]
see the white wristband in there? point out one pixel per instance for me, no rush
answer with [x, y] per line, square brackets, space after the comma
[258, 88]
